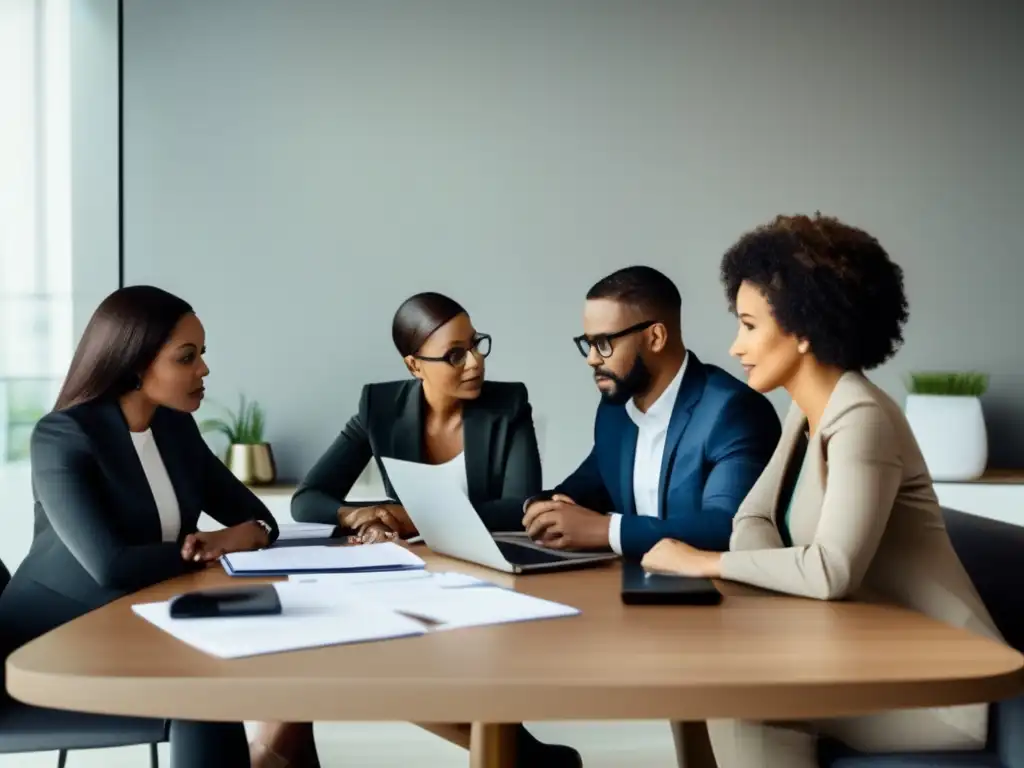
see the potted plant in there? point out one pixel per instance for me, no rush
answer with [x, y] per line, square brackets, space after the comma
[944, 412]
[249, 456]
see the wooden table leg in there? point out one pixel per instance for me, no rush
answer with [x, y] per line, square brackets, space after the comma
[492, 746]
[693, 747]
[456, 733]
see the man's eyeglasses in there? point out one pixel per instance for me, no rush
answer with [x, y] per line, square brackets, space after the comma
[603, 342]
[456, 356]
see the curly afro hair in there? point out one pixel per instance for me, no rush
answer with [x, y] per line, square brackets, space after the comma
[826, 282]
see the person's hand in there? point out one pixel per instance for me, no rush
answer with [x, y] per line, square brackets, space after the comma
[560, 523]
[204, 546]
[393, 516]
[680, 559]
[373, 533]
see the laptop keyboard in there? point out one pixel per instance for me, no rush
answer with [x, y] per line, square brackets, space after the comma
[518, 555]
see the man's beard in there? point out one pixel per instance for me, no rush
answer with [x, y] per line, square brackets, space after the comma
[636, 382]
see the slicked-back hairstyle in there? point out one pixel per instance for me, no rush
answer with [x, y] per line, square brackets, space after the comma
[645, 288]
[418, 318]
[827, 282]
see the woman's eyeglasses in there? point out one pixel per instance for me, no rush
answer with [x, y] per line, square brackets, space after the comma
[456, 356]
[603, 342]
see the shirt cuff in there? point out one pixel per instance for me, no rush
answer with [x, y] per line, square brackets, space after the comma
[615, 532]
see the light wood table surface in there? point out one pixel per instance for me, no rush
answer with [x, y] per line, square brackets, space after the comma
[755, 656]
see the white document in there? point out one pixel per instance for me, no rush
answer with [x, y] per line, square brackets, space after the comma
[293, 531]
[311, 617]
[321, 559]
[454, 608]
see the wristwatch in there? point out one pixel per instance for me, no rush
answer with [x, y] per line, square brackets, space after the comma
[266, 527]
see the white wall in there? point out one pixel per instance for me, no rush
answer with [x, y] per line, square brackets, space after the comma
[296, 169]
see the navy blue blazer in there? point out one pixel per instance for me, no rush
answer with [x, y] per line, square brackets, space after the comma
[721, 436]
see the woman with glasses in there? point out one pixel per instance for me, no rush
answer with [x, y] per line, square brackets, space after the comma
[445, 413]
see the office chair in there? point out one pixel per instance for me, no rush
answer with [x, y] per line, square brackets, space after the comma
[25, 728]
[991, 551]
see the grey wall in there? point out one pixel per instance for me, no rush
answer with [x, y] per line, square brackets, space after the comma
[296, 169]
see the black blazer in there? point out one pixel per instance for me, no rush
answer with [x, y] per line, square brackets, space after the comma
[500, 447]
[97, 530]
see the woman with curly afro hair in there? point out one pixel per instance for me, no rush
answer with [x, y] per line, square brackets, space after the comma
[846, 505]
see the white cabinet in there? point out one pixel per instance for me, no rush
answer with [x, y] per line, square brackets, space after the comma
[998, 494]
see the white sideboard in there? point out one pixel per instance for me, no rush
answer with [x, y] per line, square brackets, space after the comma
[998, 494]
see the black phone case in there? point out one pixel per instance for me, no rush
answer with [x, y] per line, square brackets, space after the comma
[259, 600]
[642, 588]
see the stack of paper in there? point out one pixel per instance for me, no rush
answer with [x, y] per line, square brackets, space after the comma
[294, 531]
[321, 559]
[309, 618]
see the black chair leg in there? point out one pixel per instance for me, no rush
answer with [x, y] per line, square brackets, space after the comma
[154, 756]
[62, 758]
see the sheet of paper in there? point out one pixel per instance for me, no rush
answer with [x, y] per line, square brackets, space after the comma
[292, 531]
[469, 607]
[321, 559]
[310, 618]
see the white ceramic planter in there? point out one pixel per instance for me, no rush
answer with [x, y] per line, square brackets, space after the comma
[950, 431]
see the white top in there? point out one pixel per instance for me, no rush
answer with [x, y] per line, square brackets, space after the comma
[159, 484]
[652, 429]
[457, 466]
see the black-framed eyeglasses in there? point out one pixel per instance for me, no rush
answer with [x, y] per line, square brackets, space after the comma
[456, 356]
[603, 342]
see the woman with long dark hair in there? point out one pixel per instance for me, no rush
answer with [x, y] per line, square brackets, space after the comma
[120, 474]
[444, 413]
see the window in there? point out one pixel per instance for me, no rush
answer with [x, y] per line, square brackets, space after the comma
[35, 216]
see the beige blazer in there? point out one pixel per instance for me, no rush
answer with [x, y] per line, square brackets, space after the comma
[864, 521]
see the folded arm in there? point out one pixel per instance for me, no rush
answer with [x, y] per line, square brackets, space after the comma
[322, 492]
[522, 477]
[66, 477]
[226, 498]
[864, 475]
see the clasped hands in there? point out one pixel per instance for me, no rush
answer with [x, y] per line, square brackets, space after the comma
[206, 546]
[374, 524]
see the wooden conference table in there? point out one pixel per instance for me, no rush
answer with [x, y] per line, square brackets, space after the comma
[754, 656]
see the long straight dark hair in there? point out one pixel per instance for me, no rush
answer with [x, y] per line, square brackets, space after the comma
[121, 341]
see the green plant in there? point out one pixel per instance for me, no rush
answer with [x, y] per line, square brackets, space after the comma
[242, 427]
[968, 383]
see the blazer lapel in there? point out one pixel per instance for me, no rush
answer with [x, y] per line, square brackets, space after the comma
[117, 443]
[407, 430]
[477, 431]
[627, 458]
[691, 388]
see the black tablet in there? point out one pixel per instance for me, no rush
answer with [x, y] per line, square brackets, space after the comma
[642, 588]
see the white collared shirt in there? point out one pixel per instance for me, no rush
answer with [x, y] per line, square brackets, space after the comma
[652, 429]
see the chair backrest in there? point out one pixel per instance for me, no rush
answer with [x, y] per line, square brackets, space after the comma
[993, 554]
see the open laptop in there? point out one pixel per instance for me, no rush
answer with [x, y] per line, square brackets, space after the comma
[449, 525]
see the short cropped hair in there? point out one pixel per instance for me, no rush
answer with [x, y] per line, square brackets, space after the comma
[645, 288]
[827, 282]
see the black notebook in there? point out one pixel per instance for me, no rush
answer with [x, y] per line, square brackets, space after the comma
[642, 588]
